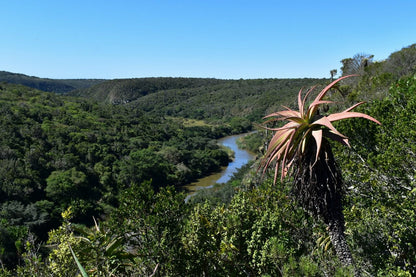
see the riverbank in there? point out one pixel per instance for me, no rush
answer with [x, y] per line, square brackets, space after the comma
[241, 158]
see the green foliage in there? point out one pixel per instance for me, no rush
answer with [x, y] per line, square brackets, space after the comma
[15, 221]
[11, 239]
[239, 125]
[252, 142]
[33, 264]
[142, 165]
[103, 252]
[377, 77]
[403, 62]
[64, 186]
[151, 224]
[62, 241]
[249, 99]
[382, 220]
[57, 152]
[260, 232]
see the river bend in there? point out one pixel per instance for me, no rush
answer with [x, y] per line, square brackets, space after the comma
[241, 158]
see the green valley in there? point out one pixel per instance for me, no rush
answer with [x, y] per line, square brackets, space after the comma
[92, 175]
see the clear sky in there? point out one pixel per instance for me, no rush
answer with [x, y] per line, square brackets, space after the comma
[226, 39]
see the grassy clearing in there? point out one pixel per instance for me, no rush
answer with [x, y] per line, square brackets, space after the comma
[188, 122]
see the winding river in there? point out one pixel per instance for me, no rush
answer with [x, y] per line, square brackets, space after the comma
[241, 157]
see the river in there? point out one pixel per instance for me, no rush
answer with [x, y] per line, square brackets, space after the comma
[241, 158]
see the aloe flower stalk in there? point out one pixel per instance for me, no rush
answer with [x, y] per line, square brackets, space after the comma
[301, 145]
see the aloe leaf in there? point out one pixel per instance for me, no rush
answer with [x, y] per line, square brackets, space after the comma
[320, 102]
[290, 113]
[306, 97]
[80, 267]
[354, 106]
[300, 102]
[286, 113]
[324, 121]
[337, 138]
[313, 106]
[290, 125]
[328, 87]
[345, 115]
[317, 135]
[285, 156]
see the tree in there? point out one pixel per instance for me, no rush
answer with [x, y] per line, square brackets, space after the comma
[403, 62]
[64, 186]
[303, 144]
[144, 165]
[356, 64]
[333, 72]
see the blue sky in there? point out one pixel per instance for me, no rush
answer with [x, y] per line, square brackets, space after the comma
[226, 39]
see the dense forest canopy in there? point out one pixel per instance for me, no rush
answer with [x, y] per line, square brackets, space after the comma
[99, 175]
[57, 152]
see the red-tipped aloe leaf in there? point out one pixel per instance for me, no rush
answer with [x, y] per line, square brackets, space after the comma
[280, 135]
[354, 106]
[312, 107]
[317, 103]
[317, 135]
[300, 102]
[287, 126]
[276, 147]
[306, 95]
[328, 87]
[285, 155]
[324, 121]
[335, 137]
[345, 115]
[276, 151]
[286, 113]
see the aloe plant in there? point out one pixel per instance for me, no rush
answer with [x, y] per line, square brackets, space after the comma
[301, 148]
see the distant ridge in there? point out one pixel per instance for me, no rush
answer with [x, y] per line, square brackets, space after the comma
[199, 98]
[122, 91]
[46, 84]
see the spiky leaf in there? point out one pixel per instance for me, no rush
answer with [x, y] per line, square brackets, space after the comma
[292, 140]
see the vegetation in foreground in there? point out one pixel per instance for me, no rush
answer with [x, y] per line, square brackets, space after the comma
[260, 230]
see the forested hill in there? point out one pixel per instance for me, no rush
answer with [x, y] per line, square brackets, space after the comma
[209, 99]
[120, 91]
[46, 84]
[250, 99]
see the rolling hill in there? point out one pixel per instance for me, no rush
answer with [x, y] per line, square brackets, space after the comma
[46, 84]
[209, 99]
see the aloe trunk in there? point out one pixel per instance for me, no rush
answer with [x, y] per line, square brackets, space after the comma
[336, 233]
[319, 188]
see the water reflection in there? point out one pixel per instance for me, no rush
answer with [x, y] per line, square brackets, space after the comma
[241, 158]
